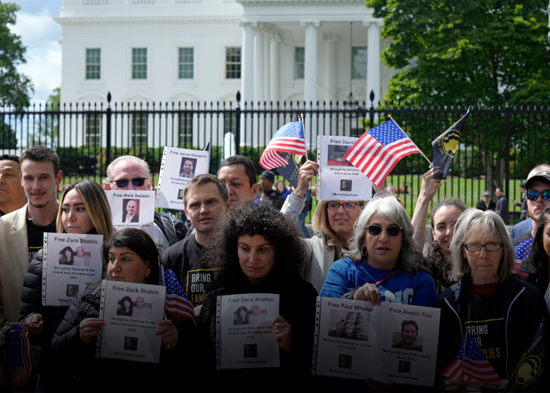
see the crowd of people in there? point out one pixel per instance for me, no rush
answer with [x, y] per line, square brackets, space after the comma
[247, 237]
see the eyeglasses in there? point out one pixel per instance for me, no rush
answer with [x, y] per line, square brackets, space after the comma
[534, 195]
[476, 247]
[137, 182]
[392, 230]
[348, 206]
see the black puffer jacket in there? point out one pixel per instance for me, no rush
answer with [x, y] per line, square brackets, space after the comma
[84, 372]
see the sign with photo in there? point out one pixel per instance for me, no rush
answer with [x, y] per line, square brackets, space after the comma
[392, 342]
[70, 262]
[244, 335]
[132, 313]
[338, 179]
[177, 167]
[132, 209]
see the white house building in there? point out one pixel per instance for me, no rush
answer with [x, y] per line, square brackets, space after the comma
[166, 51]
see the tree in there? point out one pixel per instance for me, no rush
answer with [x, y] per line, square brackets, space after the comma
[8, 139]
[14, 86]
[469, 52]
[466, 50]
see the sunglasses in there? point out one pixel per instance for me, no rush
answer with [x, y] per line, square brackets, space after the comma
[534, 195]
[348, 206]
[137, 182]
[392, 230]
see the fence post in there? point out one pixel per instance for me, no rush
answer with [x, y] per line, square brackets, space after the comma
[108, 126]
[371, 109]
[238, 124]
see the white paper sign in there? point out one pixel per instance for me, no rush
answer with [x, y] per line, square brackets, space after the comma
[132, 313]
[244, 335]
[392, 342]
[70, 261]
[177, 167]
[132, 209]
[338, 179]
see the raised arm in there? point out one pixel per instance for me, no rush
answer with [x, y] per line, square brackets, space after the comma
[427, 191]
[295, 202]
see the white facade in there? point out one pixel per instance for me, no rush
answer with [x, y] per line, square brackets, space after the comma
[267, 33]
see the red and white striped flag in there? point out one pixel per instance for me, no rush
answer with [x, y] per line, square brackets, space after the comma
[289, 139]
[379, 150]
[177, 302]
[471, 364]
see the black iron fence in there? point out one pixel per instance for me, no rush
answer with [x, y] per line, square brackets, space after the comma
[500, 144]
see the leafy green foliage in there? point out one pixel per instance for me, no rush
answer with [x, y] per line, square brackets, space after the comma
[466, 51]
[14, 86]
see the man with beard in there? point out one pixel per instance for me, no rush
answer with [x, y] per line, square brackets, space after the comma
[409, 333]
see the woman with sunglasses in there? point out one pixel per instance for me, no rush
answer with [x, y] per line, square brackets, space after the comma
[383, 261]
[500, 312]
[437, 253]
[332, 221]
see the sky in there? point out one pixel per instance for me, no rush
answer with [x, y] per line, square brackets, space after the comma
[41, 35]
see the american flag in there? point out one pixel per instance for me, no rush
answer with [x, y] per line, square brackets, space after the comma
[290, 139]
[177, 302]
[379, 150]
[20, 357]
[472, 364]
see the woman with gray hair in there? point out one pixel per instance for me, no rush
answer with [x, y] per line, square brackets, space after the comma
[500, 312]
[383, 263]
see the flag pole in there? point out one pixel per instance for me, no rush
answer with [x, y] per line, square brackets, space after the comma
[301, 118]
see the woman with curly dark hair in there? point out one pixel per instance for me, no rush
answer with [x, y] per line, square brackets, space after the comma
[126, 306]
[260, 251]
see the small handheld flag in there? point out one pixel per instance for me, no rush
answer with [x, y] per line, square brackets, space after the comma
[471, 364]
[528, 371]
[177, 302]
[379, 150]
[290, 139]
[444, 147]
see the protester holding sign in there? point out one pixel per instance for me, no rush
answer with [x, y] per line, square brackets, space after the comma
[332, 221]
[83, 210]
[500, 312]
[437, 253]
[259, 251]
[131, 257]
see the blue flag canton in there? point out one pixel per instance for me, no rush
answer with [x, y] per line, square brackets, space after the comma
[387, 133]
[290, 130]
[173, 285]
[473, 351]
[523, 249]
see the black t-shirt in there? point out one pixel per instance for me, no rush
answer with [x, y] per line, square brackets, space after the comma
[35, 236]
[184, 258]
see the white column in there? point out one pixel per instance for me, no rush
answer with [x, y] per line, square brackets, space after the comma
[330, 67]
[267, 52]
[274, 68]
[258, 65]
[373, 60]
[310, 67]
[247, 61]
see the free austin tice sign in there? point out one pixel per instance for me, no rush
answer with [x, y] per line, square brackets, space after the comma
[70, 261]
[338, 179]
[244, 335]
[177, 168]
[132, 313]
[392, 342]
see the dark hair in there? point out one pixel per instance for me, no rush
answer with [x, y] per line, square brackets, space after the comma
[41, 154]
[9, 157]
[257, 219]
[538, 256]
[130, 300]
[139, 242]
[405, 323]
[64, 250]
[246, 163]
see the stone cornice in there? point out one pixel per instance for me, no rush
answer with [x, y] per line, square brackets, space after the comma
[147, 20]
[298, 2]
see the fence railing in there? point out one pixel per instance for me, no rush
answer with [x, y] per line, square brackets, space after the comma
[499, 146]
